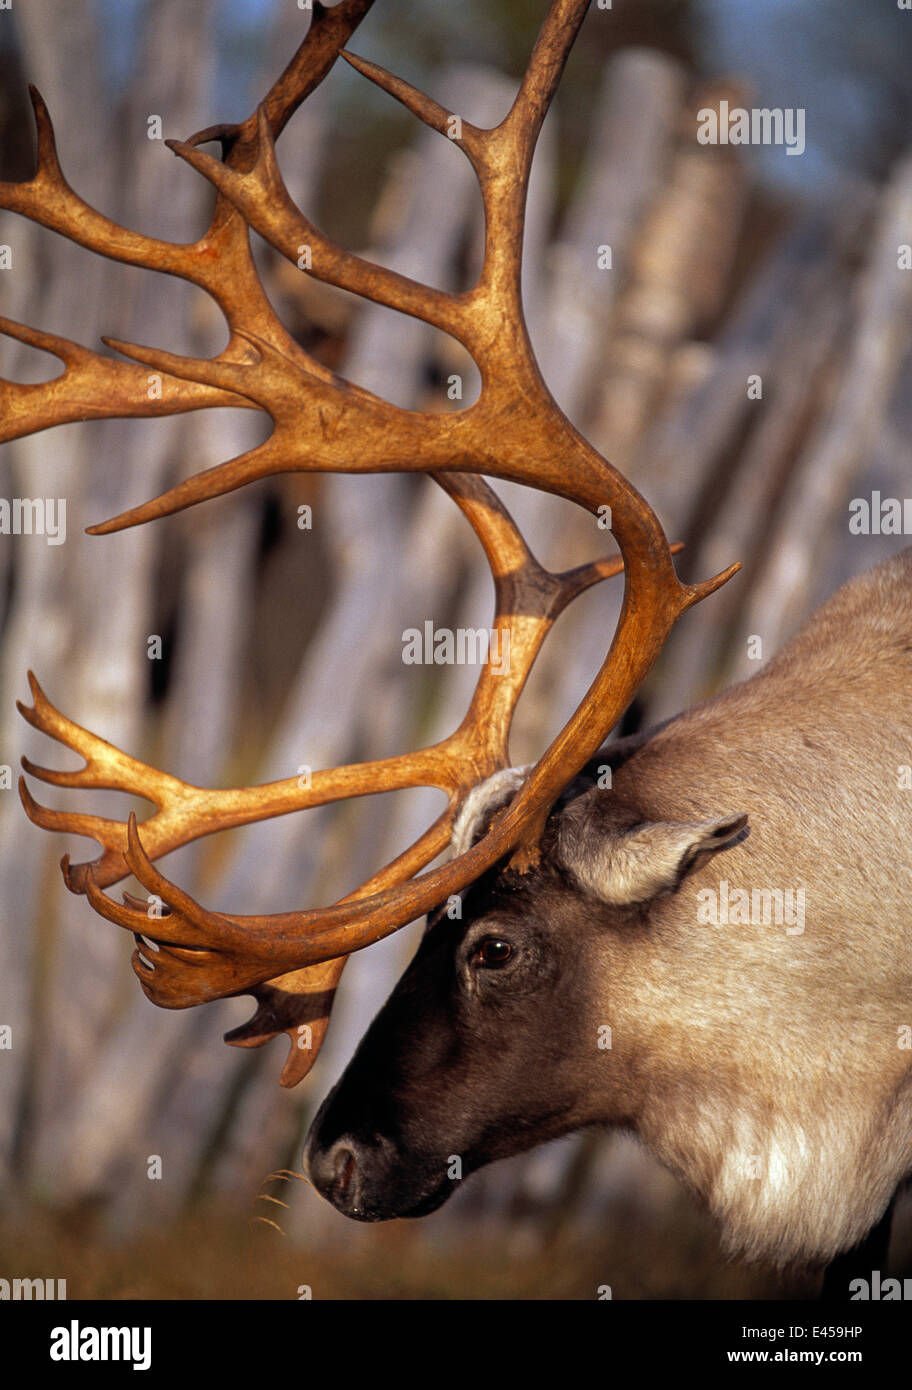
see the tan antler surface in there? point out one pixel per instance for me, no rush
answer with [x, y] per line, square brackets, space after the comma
[292, 961]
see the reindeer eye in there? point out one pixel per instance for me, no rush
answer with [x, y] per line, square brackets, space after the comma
[492, 952]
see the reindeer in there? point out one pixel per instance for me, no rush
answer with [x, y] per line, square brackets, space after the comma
[760, 1059]
[580, 905]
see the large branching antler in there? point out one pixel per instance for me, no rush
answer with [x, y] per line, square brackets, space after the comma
[291, 962]
[528, 599]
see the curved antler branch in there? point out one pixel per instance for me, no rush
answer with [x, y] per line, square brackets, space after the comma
[260, 195]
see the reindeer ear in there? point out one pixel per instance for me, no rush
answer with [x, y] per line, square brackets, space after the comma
[633, 866]
[482, 804]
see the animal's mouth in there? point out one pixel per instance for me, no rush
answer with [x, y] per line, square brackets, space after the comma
[432, 1202]
[394, 1211]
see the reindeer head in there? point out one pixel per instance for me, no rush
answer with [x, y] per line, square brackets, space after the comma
[488, 1044]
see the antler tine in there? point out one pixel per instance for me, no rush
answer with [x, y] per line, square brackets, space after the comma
[329, 32]
[48, 200]
[435, 116]
[93, 387]
[524, 121]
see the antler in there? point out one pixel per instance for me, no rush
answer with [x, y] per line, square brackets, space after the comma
[513, 431]
[528, 599]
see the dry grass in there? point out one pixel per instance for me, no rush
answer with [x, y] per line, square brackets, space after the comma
[220, 1255]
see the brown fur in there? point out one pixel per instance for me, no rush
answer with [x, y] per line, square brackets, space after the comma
[769, 1071]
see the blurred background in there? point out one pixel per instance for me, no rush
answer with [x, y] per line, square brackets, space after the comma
[282, 647]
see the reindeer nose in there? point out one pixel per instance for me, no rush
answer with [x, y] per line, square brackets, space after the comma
[343, 1160]
[334, 1172]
